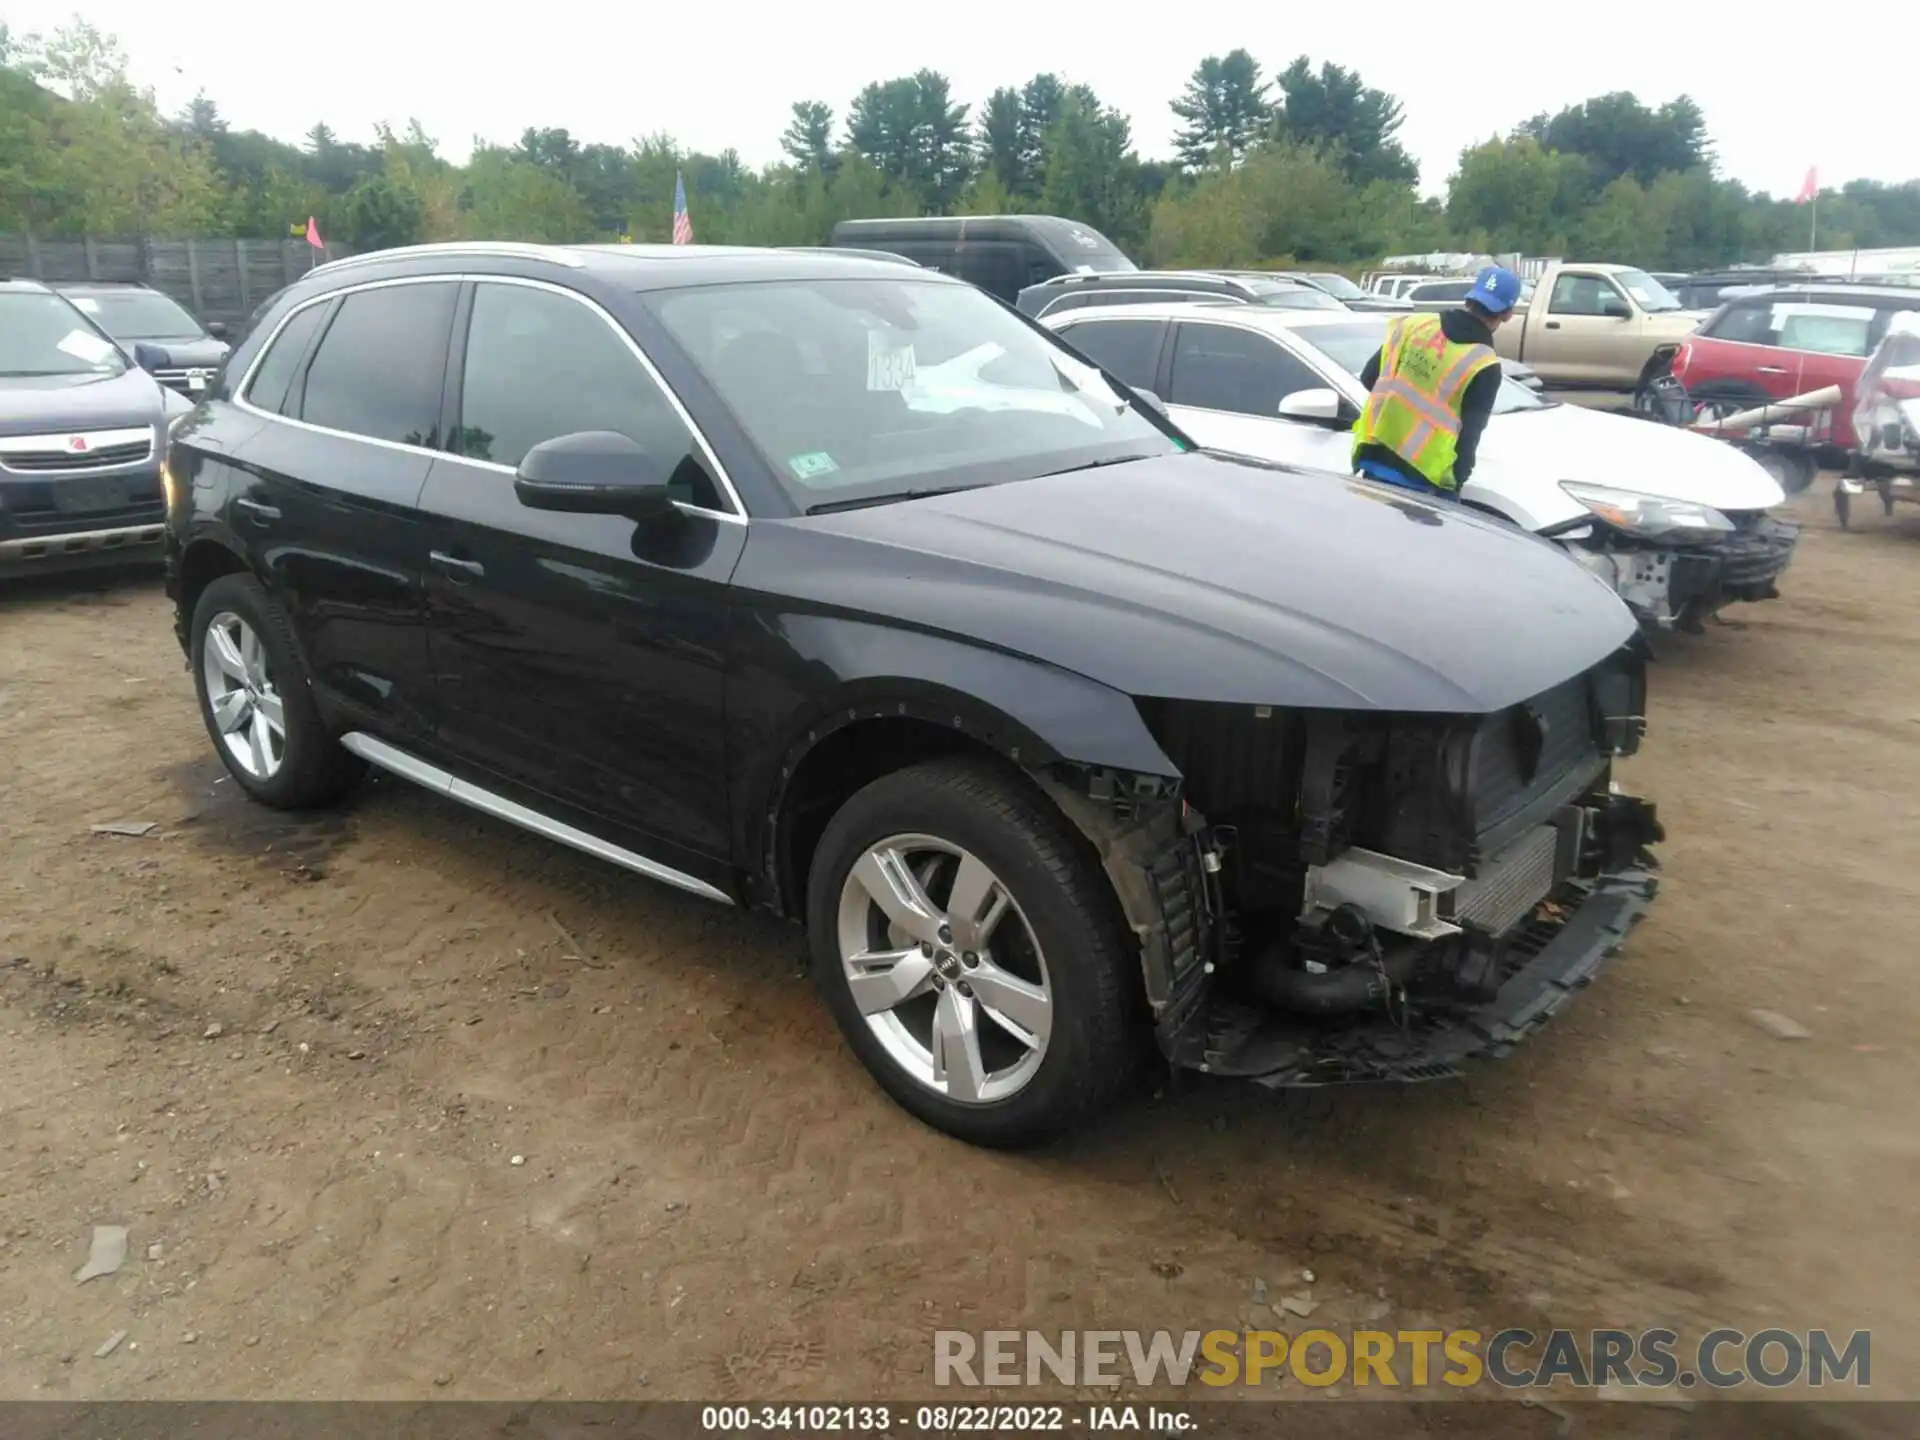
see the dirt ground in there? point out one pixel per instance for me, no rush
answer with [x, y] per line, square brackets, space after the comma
[401, 1103]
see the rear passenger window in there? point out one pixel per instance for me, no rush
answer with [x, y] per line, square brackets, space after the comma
[1128, 349]
[1222, 367]
[380, 366]
[268, 388]
[1750, 323]
[540, 365]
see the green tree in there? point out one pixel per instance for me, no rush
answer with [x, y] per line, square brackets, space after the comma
[511, 197]
[1621, 136]
[1001, 145]
[1090, 170]
[808, 138]
[381, 213]
[915, 134]
[1223, 108]
[1332, 109]
[1041, 99]
[1514, 195]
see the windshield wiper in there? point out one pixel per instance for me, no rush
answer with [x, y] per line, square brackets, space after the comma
[1096, 464]
[861, 502]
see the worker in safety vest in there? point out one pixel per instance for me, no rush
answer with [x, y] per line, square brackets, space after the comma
[1433, 385]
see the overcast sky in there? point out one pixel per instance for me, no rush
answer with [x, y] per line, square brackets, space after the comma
[720, 75]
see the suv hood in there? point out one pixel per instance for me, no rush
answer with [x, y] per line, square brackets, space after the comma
[43, 404]
[1193, 577]
[1525, 454]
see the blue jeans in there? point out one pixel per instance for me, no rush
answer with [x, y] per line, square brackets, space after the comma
[1387, 475]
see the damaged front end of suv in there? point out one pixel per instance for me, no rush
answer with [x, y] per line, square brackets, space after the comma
[1331, 897]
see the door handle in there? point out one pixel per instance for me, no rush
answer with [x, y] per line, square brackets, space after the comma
[1553, 324]
[455, 566]
[1771, 369]
[258, 509]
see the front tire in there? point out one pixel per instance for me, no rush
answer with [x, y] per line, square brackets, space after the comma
[971, 952]
[257, 700]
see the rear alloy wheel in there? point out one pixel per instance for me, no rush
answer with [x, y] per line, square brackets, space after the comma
[257, 702]
[970, 952]
[248, 715]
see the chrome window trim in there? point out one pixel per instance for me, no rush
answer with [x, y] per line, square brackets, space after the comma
[241, 402]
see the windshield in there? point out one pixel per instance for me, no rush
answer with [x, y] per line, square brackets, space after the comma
[1352, 346]
[1647, 292]
[1338, 285]
[857, 389]
[44, 335]
[138, 315]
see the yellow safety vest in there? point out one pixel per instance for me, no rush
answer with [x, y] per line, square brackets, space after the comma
[1414, 410]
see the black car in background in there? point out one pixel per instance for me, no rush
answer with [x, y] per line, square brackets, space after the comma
[1157, 287]
[81, 435]
[999, 253]
[835, 587]
[135, 315]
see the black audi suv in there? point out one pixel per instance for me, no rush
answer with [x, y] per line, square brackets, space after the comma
[832, 586]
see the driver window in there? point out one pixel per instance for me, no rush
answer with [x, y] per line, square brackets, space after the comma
[540, 365]
[1582, 295]
[1223, 367]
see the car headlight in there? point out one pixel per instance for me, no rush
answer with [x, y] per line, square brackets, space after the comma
[1653, 517]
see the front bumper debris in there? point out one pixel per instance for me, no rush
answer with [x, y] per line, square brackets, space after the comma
[1564, 946]
[1680, 586]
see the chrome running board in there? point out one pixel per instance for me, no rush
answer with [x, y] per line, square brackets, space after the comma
[442, 782]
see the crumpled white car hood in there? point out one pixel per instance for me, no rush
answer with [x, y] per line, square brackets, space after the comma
[1526, 454]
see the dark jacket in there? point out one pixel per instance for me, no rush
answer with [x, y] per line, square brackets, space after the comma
[1476, 403]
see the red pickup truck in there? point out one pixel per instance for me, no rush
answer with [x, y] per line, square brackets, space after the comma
[1787, 341]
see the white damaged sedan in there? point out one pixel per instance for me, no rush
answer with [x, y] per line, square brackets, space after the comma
[1680, 525]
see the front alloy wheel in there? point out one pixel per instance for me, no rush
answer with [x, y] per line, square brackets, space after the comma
[973, 953]
[246, 708]
[954, 988]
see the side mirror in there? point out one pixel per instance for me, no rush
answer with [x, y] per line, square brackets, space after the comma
[1614, 308]
[1321, 406]
[1159, 406]
[593, 472]
[150, 357]
[217, 329]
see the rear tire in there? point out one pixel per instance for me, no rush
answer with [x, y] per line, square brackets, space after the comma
[1005, 1034]
[256, 699]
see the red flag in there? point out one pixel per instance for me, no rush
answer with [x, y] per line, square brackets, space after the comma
[313, 234]
[1809, 188]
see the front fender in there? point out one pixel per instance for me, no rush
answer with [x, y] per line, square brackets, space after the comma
[808, 677]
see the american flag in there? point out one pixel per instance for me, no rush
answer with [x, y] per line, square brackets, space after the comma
[682, 223]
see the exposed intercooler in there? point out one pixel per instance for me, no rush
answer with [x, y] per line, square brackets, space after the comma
[1366, 854]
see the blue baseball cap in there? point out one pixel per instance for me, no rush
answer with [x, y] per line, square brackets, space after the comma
[1495, 289]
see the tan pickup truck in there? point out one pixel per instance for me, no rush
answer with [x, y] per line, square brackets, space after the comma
[1597, 327]
[1600, 327]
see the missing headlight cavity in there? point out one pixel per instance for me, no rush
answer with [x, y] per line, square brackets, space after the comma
[1363, 885]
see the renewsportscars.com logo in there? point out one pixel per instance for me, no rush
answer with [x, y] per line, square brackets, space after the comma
[1511, 1359]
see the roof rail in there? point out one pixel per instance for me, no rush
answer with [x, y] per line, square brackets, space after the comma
[526, 251]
